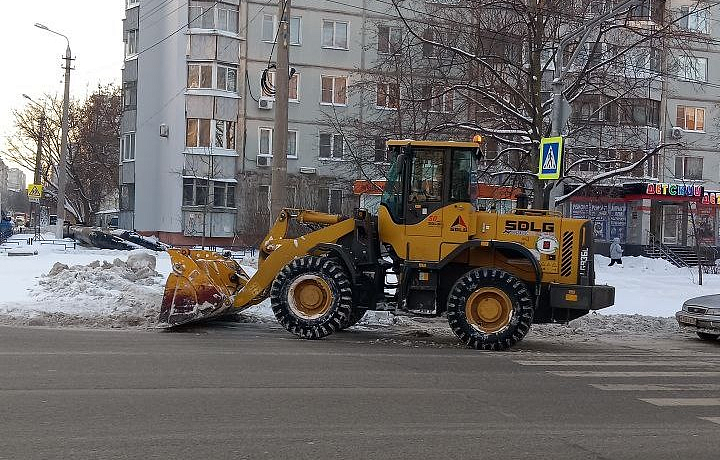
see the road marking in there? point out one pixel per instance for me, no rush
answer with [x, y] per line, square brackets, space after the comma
[601, 374]
[620, 363]
[712, 419]
[682, 401]
[656, 386]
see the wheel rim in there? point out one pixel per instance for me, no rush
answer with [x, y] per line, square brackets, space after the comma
[488, 310]
[310, 297]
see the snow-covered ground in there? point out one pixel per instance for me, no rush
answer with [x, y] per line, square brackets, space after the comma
[98, 289]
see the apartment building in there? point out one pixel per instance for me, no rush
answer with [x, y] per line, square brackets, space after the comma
[672, 198]
[16, 181]
[197, 128]
[3, 177]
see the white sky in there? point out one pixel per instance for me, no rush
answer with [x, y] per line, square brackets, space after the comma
[32, 56]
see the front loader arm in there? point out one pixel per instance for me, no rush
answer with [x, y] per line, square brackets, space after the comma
[206, 284]
[277, 250]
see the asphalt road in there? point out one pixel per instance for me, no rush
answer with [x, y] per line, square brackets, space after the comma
[253, 391]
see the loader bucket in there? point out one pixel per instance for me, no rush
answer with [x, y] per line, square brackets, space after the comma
[201, 286]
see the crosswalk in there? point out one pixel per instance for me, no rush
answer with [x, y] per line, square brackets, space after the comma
[664, 381]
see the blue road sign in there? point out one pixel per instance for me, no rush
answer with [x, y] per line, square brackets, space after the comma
[551, 149]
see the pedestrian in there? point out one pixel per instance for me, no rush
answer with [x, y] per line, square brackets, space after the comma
[615, 252]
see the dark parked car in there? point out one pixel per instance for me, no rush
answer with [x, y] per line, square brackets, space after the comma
[702, 316]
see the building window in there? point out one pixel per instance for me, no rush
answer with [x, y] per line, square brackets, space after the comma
[334, 90]
[195, 192]
[213, 15]
[223, 194]
[335, 34]
[382, 154]
[689, 168]
[697, 20]
[128, 146]
[131, 3]
[266, 143]
[227, 78]
[198, 132]
[295, 30]
[690, 118]
[127, 197]
[329, 200]
[292, 144]
[388, 96]
[692, 68]
[225, 134]
[332, 146]
[227, 17]
[293, 87]
[131, 42]
[389, 39]
[437, 99]
[200, 75]
[269, 28]
[635, 112]
[263, 201]
[130, 95]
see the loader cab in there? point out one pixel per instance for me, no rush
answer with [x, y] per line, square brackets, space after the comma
[427, 176]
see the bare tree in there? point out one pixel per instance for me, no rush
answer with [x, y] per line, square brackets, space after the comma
[449, 70]
[93, 147]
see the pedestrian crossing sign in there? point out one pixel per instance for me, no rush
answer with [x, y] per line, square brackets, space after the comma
[34, 192]
[551, 149]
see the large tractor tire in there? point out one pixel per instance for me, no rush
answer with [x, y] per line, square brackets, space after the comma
[355, 316]
[489, 309]
[312, 297]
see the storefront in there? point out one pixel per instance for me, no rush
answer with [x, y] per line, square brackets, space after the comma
[672, 213]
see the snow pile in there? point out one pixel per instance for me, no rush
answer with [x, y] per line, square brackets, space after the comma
[651, 287]
[97, 294]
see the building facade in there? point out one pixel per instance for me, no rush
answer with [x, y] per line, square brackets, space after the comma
[672, 198]
[16, 181]
[196, 136]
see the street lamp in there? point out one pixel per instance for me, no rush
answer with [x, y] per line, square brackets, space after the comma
[62, 166]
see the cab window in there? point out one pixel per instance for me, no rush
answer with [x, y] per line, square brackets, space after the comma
[461, 175]
[426, 176]
[392, 194]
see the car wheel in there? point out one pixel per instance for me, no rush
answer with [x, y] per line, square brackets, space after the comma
[706, 336]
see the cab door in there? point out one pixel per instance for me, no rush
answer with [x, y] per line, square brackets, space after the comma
[457, 225]
[423, 213]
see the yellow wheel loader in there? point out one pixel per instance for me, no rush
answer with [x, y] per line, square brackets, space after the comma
[428, 251]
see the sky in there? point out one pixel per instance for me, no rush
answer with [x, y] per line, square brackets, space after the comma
[33, 56]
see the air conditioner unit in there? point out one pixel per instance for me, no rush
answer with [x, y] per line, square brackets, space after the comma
[676, 132]
[263, 161]
[265, 103]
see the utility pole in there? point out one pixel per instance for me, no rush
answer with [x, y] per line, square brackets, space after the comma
[62, 166]
[278, 190]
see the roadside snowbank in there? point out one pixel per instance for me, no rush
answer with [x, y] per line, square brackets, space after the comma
[652, 287]
[99, 289]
